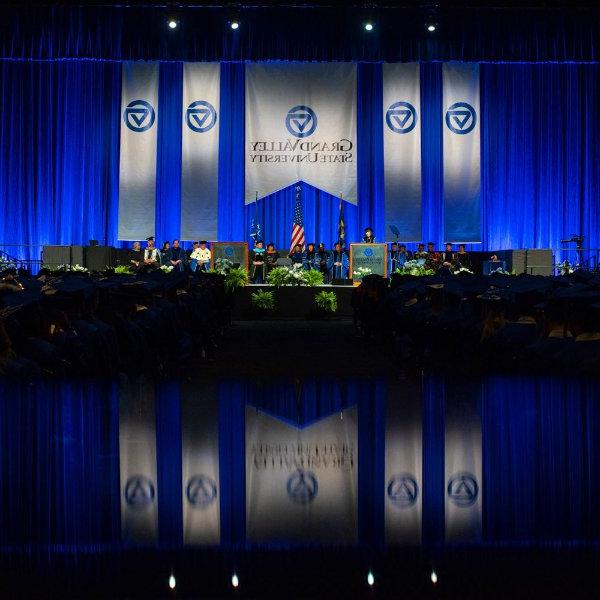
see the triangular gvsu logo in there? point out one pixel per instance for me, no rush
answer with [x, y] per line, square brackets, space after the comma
[201, 116]
[301, 121]
[401, 117]
[461, 118]
[139, 115]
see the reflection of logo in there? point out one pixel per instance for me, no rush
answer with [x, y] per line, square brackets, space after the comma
[301, 121]
[139, 115]
[201, 116]
[461, 118]
[368, 251]
[401, 117]
[302, 486]
[228, 251]
[402, 490]
[463, 489]
[139, 491]
[201, 491]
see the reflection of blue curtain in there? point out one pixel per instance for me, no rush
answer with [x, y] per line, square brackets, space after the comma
[59, 167]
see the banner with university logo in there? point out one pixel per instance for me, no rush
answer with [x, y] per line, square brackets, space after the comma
[462, 152]
[137, 169]
[301, 483]
[137, 460]
[403, 466]
[200, 151]
[301, 126]
[402, 151]
[200, 465]
[463, 469]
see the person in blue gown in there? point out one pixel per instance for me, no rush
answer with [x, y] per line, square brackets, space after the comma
[339, 263]
[309, 257]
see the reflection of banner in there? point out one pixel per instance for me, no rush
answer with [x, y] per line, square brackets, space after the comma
[137, 458]
[402, 150]
[200, 151]
[200, 467]
[301, 126]
[462, 171]
[403, 467]
[369, 256]
[137, 171]
[301, 484]
[463, 470]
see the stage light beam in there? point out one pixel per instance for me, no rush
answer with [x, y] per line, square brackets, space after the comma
[370, 579]
[234, 25]
[172, 24]
[368, 26]
[431, 27]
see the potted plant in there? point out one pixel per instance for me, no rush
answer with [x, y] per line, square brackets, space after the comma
[278, 277]
[236, 278]
[313, 278]
[263, 302]
[325, 303]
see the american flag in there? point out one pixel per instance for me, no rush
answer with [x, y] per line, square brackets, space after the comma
[298, 224]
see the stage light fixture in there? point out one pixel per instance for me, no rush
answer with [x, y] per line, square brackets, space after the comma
[234, 24]
[434, 577]
[431, 27]
[235, 582]
[172, 582]
[370, 578]
[172, 23]
[368, 26]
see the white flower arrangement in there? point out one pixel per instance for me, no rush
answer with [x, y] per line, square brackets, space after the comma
[222, 265]
[361, 272]
[499, 271]
[79, 269]
[462, 270]
[296, 274]
[414, 267]
[565, 268]
[166, 268]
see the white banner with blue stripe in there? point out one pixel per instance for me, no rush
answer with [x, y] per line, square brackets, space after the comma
[137, 169]
[200, 151]
[137, 461]
[301, 126]
[301, 482]
[200, 465]
[462, 152]
[402, 151]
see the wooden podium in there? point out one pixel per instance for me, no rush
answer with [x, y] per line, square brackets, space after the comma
[370, 256]
[236, 252]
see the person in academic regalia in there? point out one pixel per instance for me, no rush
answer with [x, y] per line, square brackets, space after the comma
[177, 259]
[462, 257]
[296, 255]
[136, 256]
[339, 263]
[403, 255]
[151, 256]
[165, 254]
[258, 263]
[448, 256]
[309, 257]
[271, 257]
[368, 236]
[420, 253]
[433, 257]
[393, 258]
[321, 260]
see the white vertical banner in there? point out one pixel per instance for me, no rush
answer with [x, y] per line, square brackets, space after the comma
[137, 460]
[200, 465]
[301, 483]
[200, 150]
[462, 152]
[402, 151]
[301, 126]
[403, 467]
[137, 168]
[463, 469]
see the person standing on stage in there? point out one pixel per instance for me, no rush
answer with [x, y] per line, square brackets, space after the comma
[296, 255]
[151, 255]
[321, 260]
[393, 257]
[309, 257]
[368, 236]
[338, 263]
[258, 262]
[177, 256]
[271, 257]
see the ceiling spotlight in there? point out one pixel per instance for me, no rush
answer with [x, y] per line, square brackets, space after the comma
[172, 23]
[234, 25]
[235, 580]
[370, 579]
[172, 582]
[431, 27]
[368, 26]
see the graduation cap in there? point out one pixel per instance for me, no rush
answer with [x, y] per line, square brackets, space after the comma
[150, 238]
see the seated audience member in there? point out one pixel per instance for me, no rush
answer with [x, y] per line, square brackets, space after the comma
[462, 257]
[136, 256]
[151, 256]
[258, 263]
[339, 263]
[271, 257]
[309, 257]
[296, 255]
[165, 255]
[177, 258]
[321, 260]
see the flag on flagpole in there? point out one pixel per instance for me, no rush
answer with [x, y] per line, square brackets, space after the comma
[298, 224]
[255, 233]
[341, 224]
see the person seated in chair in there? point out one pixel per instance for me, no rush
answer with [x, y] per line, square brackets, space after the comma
[271, 257]
[151, 260]
[296, 255]
[136, 256]
[177, 258]
[448, 256]
[462, 257]
[258, 263]
[420, 253]
[309, 257]
[338, 263]
[165, 255]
